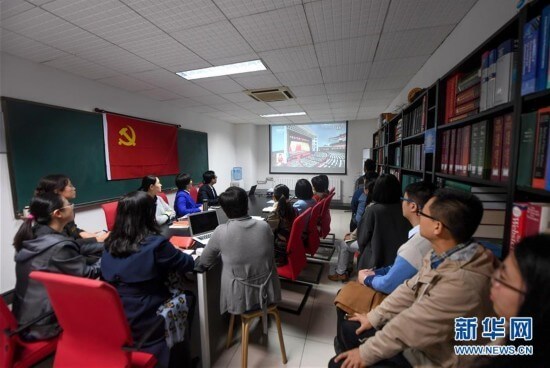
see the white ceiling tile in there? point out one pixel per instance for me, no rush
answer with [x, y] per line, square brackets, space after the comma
[409, 43]
[300, 119]
[219, 85]
[26, 48]
[345, 73]
[234, 59]
[229, 107]
[214, 41]
[175, 15]
[316, 107]
[39, 2]
[237, 97]
[411, 14]
[343, 105]
[385, 94]
[257, 80]
[9, 8]
[188, 89]
[162, 78]
[287, 103]
[291, 59]
[345, 87]
[355, 96]
[160, 94]
[127, 83]
[258, 107]
[375, 102]
[370, 112]
[376, 84]
[307, 91]
[109, 19]
[347, 51]
[338, 19]
[288, 109]
[76, 65]
[202, 109]
[117, 58]
[164, 51]
[312, 100]
[239, 8]
[210, 99]
[184, 102]
[397, 67]
[300, 77]
[276, 29]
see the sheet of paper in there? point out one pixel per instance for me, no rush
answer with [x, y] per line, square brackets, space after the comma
[270, 201]
[268, 209]
[259, 218]
[195, 256]
[188, 251]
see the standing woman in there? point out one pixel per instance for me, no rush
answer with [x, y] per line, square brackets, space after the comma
[184, 203]
[41, 245]
[152, 186]
[304, 193]
[90, 243]
[280, 220]
[137, 261]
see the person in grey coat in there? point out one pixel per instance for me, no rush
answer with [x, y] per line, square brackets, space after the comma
[245, 245]
[383, 228]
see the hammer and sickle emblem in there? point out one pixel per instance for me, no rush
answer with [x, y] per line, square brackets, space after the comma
[130, 138]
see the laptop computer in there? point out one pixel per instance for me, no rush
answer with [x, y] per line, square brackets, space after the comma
[252, 190]
[202, 225]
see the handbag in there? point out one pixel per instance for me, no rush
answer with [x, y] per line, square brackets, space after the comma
[357, 298]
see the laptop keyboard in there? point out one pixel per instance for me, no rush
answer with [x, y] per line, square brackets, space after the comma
[204, 236]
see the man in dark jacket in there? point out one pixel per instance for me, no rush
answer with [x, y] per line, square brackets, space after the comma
[207, 191]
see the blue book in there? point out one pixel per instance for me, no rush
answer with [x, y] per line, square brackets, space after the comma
[530, 41]
[542, 52]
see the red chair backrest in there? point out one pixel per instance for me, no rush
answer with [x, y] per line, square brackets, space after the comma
[296, 253]
[194, 193]
[8, 344]
[325, 217]
[163, 196]
[92, 318]
[110, 213]
[331, 190]
[313, 240]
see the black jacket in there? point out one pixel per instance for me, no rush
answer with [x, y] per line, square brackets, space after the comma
[206, 192]
[382, 230]
[52, 252]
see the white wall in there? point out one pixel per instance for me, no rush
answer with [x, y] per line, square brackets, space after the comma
[359, 136]
[246, 147]
[481, 22]
[34, 82]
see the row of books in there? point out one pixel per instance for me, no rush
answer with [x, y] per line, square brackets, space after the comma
[415, 121]
[535, 75]
[493, 200]
[398, 130]
[462, 96]
[407, 179]
[412, 157]
[529, 218]
[380, 138]
[534, 163]
[480, 150]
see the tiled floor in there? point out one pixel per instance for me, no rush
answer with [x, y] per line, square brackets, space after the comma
[308, 337]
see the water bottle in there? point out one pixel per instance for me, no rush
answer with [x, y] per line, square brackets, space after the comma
[205, 204]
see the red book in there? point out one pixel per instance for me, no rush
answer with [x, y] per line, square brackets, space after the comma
[466, 134]
[184, 242]
[452, 149]
[424, 113]
[468, 95]
[445, 152]
[458, 152]
[517, 229]
[541, 148]
[496, 155]
[463, 116]
[506, 147]
[467, 107]
[450, 97]
[536, 221]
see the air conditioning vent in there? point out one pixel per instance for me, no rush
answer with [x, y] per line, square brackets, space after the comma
[270, 94]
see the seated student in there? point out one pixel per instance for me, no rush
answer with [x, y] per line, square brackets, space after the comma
[207, 191]
[249, 278]
[280, 220]
[91, 245]
[304, 192]
[320, 187]
[383, 228]
[141, 265]
[151, 185]
[364, 200]
[519, 288]
[184, 203]
[414, 325]
[369, 169]
[41, 245]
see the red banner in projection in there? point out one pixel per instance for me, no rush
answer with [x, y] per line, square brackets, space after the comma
[135, 148]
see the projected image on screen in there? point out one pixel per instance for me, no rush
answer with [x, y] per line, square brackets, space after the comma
[318, 148]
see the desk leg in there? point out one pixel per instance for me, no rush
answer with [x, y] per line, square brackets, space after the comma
[203, 320]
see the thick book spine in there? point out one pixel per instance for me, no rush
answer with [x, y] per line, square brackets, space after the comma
[463, 116]
[530, 45]
[506, 146]
[468, 95]
[526, 148]
[505, 66]
[466, 134]
[491, 82]
[541, 148]
[467, 107]
[444, 151]
[496, 157]
[450, 97]
[542, 52]
[474, 150]
[452, 149]
[517, 229]
[484, 157]
[484, 79]
[458, 152]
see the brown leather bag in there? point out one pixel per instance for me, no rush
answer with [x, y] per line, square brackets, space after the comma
[357, 298]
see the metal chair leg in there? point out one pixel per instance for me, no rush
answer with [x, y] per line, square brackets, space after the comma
[275, 313]
[230, 332]
[245, 325]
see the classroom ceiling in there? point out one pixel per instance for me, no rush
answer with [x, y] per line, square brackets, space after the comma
[342, 59]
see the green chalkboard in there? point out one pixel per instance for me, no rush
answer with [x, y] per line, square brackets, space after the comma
[43, 139]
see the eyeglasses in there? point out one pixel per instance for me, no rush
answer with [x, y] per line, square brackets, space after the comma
[496, 278]
[407, 200]
[71, 205]
[420, 213]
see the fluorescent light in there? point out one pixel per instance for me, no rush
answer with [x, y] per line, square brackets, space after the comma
[285, 114]
[216, 71]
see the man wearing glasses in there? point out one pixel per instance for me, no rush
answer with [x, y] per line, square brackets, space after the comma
[414, 325]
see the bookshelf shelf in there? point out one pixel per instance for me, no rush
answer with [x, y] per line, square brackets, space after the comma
[394, 167]
[411, 170]
[537, 96]
[468, 179]
[377, 148]
[431, 108]
[497, 110]
[413, 137]
[538, 192]
[394, 142]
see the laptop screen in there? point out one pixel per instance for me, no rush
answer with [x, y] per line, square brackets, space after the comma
[203, 222]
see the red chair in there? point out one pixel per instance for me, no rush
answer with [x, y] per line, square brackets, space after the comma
[163, 196]
[313, 240]
[110, 213]
[325, 217]
[332, 190]
[95, 329]
[194, 193]
[16, 352]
